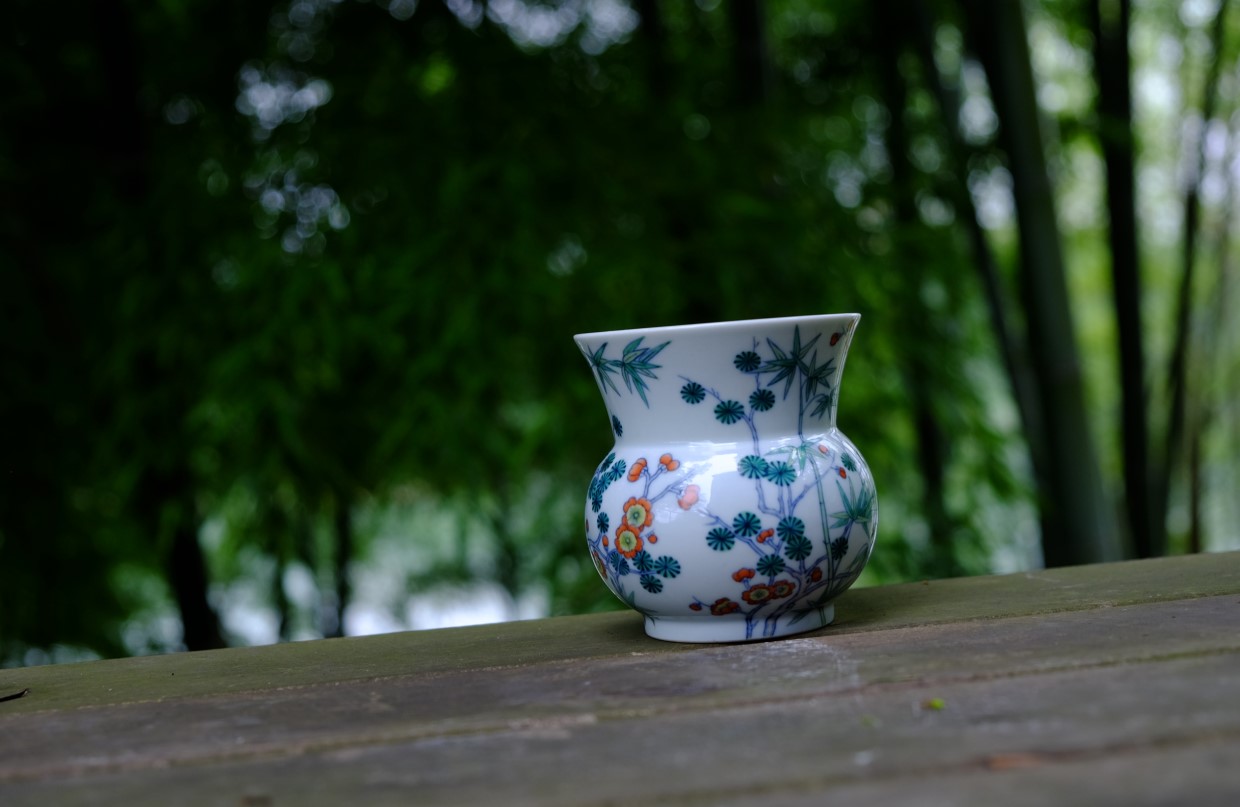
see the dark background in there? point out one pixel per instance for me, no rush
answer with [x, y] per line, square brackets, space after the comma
[288, 289]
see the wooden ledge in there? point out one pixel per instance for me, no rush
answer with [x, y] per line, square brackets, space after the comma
[593, 636]
[1024, 687]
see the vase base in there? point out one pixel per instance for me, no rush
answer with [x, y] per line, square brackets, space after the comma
[706, 629]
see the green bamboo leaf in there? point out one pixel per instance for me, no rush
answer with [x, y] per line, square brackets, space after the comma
[632, 347]
[602, 367]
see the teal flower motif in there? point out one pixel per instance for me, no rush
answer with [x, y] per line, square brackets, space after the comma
[618, 562]
[667, 566]
[798, 548]
[604, 522]
[790, 527]
[762, 400]
[752, 466]
[651, 583]
[771, 565]
[720, 539]
[642, 561]
[781, 473]
[728, 412]
[847, 461]
[616, 427]
[746, 524]
[693, 393]
[839, 548]
[747, 362]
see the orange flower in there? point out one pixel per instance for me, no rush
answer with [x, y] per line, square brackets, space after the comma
[652, 538]
[723, 606]
[741, 575]
[762, 536]
[628, 542]
[669, 462]
[606, 541]
[757, 594]
[636, 471]
[637, 513]
[689, 497]
[598, 564]
[782, 588]
[823, 448]
[695, 606]
[815, 575]
[843, 474]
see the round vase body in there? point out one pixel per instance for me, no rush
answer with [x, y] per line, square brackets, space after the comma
[731, 508]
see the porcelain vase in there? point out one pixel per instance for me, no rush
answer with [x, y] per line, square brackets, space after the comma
[731, 507]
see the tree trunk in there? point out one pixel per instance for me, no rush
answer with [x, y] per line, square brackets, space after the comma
[1146, 529]
[279, 596]
[1211, 371]
[342, 524]
[1077, 523]
[1012, 349]
[164, 501]
[1178, 365]
[508, 567]
[164, 504]
[652, 40]
[187, 572]
[931, 441]
[752, 79]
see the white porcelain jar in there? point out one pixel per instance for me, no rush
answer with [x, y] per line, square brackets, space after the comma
[731, 507]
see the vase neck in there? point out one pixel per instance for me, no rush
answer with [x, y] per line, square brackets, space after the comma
[731, 383]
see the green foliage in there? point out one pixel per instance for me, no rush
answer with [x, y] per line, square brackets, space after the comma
[297, 310]
[263, 292]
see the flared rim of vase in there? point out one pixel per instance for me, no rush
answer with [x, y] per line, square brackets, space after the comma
[721, 325]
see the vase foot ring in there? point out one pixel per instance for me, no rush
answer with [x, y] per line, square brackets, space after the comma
[706, 629]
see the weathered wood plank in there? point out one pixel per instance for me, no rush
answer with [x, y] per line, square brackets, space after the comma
[882, 741]
[598, 635]
[946, 687]
[724, 684]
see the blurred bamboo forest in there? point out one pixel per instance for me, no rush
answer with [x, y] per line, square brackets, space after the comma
[289, 288]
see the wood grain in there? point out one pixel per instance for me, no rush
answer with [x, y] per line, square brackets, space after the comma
[938, 693]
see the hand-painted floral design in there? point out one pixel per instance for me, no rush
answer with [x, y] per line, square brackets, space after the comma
[637, 512]
[693, 393]
[761, 400]
[721, 539]
[781, 533]
[771, 565]
[729, 412]
[608, 472]
[746, 524]
[628, 541]
[793, 572]
[753, 467]
[667, 567]
[634, 534]
[635, 366]
[781, 473]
